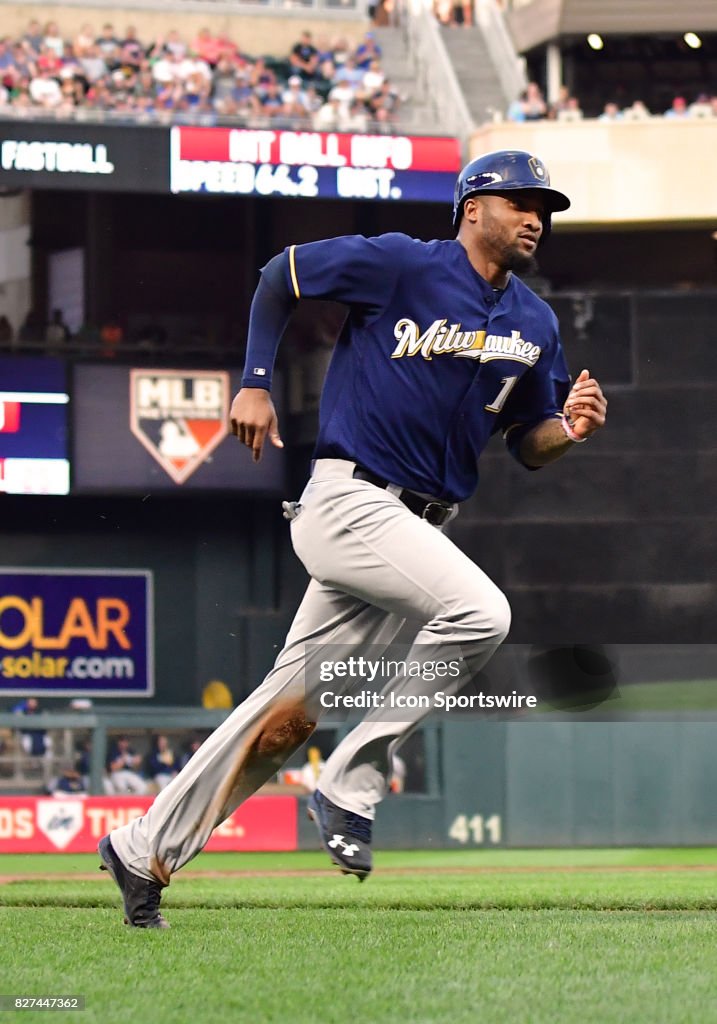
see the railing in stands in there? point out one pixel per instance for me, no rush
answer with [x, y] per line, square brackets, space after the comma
[435, 74]
[509, 67]
[279, 8]
[408, 124]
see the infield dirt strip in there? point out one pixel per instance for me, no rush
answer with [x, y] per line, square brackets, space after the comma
[613, 869]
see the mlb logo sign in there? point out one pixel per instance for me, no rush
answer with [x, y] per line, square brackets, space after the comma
[180, 416]
[60, 820]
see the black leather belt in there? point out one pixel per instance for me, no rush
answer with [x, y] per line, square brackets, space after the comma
[433, 511]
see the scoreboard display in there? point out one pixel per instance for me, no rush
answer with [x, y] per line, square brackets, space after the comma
[217, 160]
[34, 404]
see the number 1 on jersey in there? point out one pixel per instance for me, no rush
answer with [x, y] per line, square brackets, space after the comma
[508, 384]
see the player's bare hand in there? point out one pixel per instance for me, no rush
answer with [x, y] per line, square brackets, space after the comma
[253, 419]
[586, 407]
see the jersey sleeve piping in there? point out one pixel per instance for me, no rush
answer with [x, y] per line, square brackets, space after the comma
[292, 272]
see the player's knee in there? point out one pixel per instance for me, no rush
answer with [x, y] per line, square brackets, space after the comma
[284, 730]
[488, 620]
[500, 615]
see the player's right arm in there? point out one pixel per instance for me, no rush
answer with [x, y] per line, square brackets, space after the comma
[253, 416]
[360, 272]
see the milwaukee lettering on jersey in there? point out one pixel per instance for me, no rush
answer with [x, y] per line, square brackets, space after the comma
[441, 338]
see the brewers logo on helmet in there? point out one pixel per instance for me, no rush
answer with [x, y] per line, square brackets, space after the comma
[507, 170]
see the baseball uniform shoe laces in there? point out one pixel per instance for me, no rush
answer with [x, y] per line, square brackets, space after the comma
[345, 835]
[141, 897]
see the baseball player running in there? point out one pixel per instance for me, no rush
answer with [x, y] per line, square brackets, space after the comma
[443, 347]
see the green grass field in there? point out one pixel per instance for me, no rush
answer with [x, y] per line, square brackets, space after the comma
[517, 936]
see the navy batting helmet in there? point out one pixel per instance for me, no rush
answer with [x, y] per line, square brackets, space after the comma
[507, 170]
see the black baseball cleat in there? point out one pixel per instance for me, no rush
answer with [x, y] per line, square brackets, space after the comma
[141, 897]
[345, 836]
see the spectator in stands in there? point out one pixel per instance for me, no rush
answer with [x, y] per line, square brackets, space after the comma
[109, 46]
[384, 103]
[34, 36]
[295, 99]
[367, 51]
[637, 111]
[123, 765]
[269, 102]
[162, 765]
[57, 332]
[32, 329]
[342, 97]
[35, 742]
[174, 44]
[195, 70]
[7, 61]
[530, 106]
[461, 13]
[328, 117]
[357, 120]
[516, 110]
[260, 75]
[45, 90]
[224, 78]
[82, 764]
[166, 69]
[190, 750]
[560, 104]
[48, 60]
[701, 106]
[23, 67]
[111, 337]
[326, 65]
[71, 67]
[93, 64]
[535, 108]
[678, 108]
[242, 100]
[68, 783]
[131, 50]
[208, 47]
[84, 41]
[349, 72]
[196, 78]
[6, 331]
[52, 40]
[382, 14]
[571, 111]
[341, 51]
[373, 79]
[304, 57]
[610, 112]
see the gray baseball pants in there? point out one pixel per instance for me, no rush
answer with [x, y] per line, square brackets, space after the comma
[373, 565]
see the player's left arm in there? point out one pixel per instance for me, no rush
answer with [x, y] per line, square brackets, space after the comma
[584, 412]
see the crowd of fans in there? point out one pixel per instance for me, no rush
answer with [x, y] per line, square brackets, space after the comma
[322, 84]
[532, 106]
[319, 84]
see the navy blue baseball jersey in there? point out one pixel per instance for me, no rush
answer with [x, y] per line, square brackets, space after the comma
[431, 361]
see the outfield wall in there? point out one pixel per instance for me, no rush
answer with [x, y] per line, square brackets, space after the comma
[491, 784]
